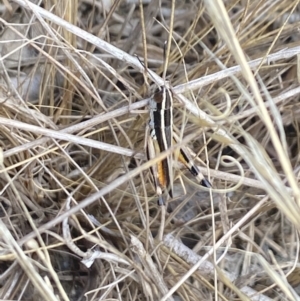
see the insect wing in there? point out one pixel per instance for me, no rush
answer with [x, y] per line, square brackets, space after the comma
[156, 169]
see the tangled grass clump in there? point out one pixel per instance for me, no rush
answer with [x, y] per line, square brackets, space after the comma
[79, 218]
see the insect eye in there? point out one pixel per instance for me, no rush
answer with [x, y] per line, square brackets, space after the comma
[158, 95]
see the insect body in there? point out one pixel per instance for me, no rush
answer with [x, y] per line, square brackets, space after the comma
[161, 139]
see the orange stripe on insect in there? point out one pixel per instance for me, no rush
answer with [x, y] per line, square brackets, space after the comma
[161, 175]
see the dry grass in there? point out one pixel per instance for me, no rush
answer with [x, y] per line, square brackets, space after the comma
[79, 217]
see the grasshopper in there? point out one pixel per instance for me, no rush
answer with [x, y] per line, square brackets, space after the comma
[161, 138]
